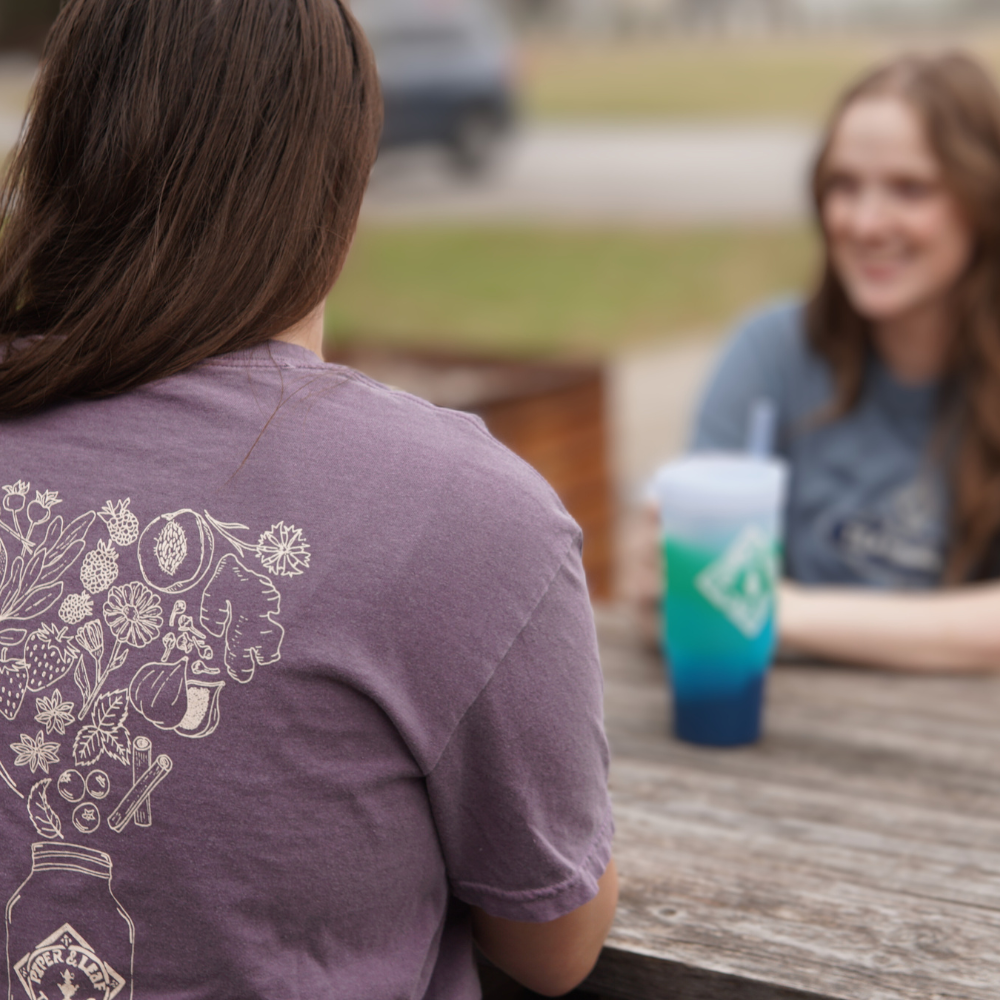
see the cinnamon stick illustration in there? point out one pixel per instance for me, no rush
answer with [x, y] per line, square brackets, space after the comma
[139, 792]
[142, 757]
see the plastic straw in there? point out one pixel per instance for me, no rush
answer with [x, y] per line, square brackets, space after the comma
[761, 427]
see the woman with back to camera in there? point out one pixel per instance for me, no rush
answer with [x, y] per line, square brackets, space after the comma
[298, 679]
[887, 380]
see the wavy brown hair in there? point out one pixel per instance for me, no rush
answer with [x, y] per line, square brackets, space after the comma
[959, 107]
[187, 184]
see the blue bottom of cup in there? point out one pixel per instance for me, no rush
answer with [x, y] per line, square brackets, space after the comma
[728, 719]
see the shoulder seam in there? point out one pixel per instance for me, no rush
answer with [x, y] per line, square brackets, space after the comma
[502, 659]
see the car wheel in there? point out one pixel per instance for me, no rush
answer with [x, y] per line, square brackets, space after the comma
[476, 142]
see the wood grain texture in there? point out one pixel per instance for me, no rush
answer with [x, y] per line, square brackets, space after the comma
[854, 853]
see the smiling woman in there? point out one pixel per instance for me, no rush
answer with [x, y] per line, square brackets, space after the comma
[886, 381]
[897, 237]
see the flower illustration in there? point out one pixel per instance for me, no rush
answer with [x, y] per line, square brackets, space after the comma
[54, 713]
[283, 550]
[36, 753]
[91, 638]
[133, 614]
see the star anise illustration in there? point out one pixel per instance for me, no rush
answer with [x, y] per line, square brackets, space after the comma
[54, 713]
[36, 753]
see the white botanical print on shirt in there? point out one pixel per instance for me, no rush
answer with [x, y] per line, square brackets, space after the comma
[99, 670]
[111, 647]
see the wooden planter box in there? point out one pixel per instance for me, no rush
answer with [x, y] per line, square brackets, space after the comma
[552, 415]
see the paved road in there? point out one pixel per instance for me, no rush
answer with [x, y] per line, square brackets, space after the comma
[599, 174]
[633, 174]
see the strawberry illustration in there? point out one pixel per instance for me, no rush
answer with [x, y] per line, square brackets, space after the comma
[49, 655]
[13, 684]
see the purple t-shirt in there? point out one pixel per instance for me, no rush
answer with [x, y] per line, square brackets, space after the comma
[293, 667]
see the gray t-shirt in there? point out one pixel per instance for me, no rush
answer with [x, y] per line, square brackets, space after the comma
[867, 502]
[306, 666]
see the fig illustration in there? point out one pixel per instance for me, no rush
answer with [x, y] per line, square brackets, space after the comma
[202, 715]
[168, 698]
[159, 692]
[175, 551]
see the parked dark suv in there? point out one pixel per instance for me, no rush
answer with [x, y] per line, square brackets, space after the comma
[446, 72]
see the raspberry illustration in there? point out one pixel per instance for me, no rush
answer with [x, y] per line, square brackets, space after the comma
[75, 608]
[100, 568]
[49, 654]
[123, 525]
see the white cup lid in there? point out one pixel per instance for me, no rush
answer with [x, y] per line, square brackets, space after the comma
[721, 483]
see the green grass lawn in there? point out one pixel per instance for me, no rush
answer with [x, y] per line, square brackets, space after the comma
[565, 292]
[789, 78]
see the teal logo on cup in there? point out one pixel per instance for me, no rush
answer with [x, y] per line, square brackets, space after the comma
[720, 520]
[740, 583]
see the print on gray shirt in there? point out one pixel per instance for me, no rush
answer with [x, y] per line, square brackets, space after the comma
[867, 503]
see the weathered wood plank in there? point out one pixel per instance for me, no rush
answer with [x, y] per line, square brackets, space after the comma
[853, 854]
[631, 976]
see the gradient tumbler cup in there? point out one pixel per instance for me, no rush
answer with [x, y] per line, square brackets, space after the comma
[720, 518]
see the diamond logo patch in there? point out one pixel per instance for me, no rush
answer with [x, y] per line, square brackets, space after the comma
[740, 583]
[65, 966]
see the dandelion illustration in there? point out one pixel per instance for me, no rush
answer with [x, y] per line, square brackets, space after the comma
[282, 550]
[133, 614]
[54, 713]
[35, 753]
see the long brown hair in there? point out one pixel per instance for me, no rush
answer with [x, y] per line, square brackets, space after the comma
[187, 184]
[959, 107]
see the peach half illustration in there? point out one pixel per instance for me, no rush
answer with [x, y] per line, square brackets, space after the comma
[175, 551]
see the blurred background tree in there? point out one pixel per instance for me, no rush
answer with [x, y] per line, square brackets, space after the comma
[23, 23]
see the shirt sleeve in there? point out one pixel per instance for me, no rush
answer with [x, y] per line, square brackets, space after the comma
[753, 366]
[519, 794]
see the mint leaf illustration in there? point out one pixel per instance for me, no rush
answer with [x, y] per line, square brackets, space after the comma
[110, 711]
[87, 746]
[118, 744]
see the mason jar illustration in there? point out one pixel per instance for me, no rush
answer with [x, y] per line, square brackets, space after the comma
[67, 935]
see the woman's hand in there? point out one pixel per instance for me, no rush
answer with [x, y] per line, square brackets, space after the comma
[926, 631]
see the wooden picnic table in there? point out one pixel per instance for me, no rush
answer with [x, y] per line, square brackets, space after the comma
[854, 853]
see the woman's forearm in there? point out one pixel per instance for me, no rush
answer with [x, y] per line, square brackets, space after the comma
[929, 631]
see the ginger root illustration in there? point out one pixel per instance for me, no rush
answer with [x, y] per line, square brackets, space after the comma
[242, 606]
